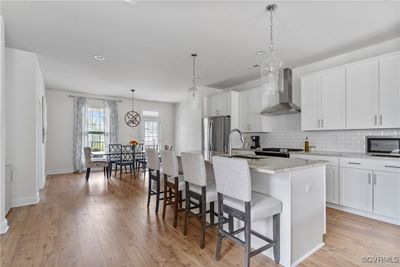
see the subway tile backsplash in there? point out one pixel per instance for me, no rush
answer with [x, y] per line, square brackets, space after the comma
[285, 131]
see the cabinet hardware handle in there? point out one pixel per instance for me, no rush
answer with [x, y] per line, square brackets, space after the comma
[376, 120]
[319, 123]
[380, 119]
[374, 179]
[322, 123]
[369, 178]
[392, 166]
[354, 163]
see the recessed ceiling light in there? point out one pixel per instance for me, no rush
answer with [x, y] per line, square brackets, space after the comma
[261, 52]
[99, 58]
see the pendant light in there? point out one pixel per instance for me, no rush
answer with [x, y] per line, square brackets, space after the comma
[270, 68]
[193, 98]
[132, 118]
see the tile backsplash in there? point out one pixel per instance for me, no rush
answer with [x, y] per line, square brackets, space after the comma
[285, 131]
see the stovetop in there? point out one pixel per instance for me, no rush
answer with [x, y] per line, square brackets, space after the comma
[281, 149]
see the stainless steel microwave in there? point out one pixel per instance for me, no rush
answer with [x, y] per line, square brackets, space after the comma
[384, 146]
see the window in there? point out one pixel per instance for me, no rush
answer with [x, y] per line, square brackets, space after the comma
[95, 120]
[151, 128]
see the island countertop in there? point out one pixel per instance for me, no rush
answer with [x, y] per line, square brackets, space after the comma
[269, 165]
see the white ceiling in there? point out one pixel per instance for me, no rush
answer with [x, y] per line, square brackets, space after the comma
[148, 44]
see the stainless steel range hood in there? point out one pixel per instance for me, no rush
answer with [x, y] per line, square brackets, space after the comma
[285, 105]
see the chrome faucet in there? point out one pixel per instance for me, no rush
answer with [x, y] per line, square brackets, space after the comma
[230, 140]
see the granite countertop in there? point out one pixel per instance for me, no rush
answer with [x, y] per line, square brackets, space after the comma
[345, 155]
[270, 165]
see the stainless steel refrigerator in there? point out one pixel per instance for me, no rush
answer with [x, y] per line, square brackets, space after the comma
[216, 133]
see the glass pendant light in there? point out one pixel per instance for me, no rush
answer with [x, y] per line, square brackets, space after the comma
[193, 101]
[270, 68]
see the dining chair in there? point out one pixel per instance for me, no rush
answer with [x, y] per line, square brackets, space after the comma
[114, 158]
[174, 184]
[153, 164]
[141, 161]
[91, 162]
[167, 147]
[127, 159]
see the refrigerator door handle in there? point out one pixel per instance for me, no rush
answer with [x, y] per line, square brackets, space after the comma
[210, 135]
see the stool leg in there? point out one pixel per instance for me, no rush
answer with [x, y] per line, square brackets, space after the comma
[165, 197]
[87, 174]
[276, 237]
[212, 212]
[230, 223]
[220, 225]
[149, 192]
[247, 234]
[158, 191]
[187, 208]
[203, 206]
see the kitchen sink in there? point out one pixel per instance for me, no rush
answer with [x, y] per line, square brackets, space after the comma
[248, 156]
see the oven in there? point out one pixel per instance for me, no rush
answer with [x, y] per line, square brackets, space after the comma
[383, 146]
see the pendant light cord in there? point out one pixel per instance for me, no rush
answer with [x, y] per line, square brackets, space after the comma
[271, 31]
[133, 100]
[194, 70]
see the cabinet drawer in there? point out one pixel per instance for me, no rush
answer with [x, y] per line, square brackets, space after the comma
[371, 164]
[334, 161]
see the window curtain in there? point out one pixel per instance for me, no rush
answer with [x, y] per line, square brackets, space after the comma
[111, 128]
[80, 134]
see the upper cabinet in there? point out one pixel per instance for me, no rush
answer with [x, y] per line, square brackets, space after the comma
[251, 103]
[323, 100]
[219, 104]
[389, 91]
[360, 95]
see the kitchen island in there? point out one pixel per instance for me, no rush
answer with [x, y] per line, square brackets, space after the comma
[300, 185]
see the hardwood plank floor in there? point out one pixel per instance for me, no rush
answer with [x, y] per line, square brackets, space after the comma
[106, 223]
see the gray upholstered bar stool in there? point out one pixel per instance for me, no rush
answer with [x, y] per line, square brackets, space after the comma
[236, 199]
[153, 164]
[173, 183]
[198, 191]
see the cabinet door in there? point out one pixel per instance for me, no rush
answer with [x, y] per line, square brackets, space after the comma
[389, 91]
[356, 188]
[386, 193]
[332, 184]
[333, 99]
[310, 102]
[244, 116]
[362, 95]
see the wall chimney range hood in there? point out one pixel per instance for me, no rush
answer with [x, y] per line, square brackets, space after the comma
[286, 105]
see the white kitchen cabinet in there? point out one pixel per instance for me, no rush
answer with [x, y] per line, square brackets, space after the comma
[387, 193]
[389, 91]
[219, 104]
[251, 103]
[356, 188]
[310, 102]
[362, 94]
[323, 100]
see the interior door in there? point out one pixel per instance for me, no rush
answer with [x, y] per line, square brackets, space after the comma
[362, 95]
[310, 102]
[333, 99]
[356, 188]
[389, 91]
[386, 193]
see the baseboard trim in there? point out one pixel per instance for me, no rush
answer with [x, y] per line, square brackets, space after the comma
[60, 171]
[365, 214]
[25, 201]
[4, 226]
[308, 254]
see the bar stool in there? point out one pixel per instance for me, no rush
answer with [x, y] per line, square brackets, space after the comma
[236, 199]
[196, 187]
[173, 183]
[153, 164]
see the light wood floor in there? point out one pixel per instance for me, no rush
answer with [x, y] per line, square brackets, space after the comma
[102, 223]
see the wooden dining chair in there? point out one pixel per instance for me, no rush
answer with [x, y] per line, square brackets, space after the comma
[114, 158]
[127, 159]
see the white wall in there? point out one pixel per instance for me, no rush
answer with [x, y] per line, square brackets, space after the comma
[24, 86]
[188, 123]
[3, 220]
[60, 127]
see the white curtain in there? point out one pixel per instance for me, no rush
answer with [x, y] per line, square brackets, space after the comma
[80, 134]
[111, 128]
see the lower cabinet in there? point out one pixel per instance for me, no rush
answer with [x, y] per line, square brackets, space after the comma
[332, 184]
[387, 193]
[356, 188]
